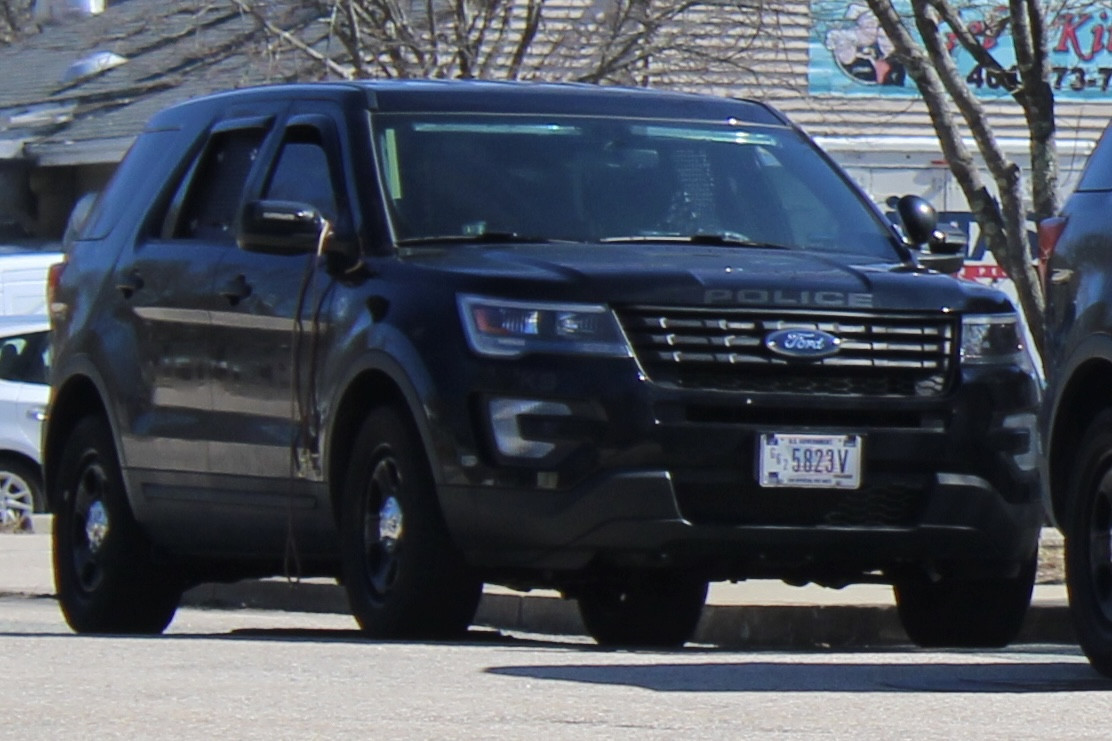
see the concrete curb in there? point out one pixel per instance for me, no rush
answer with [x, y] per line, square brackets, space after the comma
[751, 616]
[725, 626]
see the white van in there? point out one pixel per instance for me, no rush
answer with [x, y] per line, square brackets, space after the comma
[23, 280]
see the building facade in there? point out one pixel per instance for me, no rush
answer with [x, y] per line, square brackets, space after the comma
[75, 95]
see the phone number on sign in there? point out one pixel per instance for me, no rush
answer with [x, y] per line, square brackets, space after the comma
[1061, 78]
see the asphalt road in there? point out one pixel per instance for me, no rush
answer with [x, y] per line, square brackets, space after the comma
[250, 674]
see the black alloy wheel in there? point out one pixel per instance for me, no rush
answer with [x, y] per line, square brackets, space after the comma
[649, 610]
[965, 613]
[105, 575]
[404, 576]
[1088, 544]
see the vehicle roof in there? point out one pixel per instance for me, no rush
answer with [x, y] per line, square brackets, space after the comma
[16, 253]
[15, 324]
[53, 250]
[481, 96]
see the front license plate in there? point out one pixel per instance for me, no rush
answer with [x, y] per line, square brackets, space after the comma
[811, 461]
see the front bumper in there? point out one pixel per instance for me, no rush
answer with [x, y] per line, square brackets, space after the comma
[662, 478]
[955, 523]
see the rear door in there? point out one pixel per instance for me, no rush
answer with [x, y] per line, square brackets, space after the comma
[167, 282]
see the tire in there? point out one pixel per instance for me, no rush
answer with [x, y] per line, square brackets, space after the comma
[403, 575]
[1088, 544]
[21, 495]
[104, 573]
[965, 613]
[654, 610]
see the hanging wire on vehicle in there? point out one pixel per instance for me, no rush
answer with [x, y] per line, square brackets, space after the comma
[302, 456]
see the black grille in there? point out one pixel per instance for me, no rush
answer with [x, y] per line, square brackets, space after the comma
[906, 355]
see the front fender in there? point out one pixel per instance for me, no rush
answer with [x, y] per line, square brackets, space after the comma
[386, 368]
[78, 389]
[1078, 392]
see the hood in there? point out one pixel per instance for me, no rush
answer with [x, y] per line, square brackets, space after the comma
[701, 275]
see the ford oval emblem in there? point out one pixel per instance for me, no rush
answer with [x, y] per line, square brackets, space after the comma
[802, 344]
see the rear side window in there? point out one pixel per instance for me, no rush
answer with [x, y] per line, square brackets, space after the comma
[1098, 170]
[25, 358]
[208, 201]
[149, 158]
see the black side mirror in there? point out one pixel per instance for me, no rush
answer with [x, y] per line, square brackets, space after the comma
[919, 219]
[920, 222]
[284, 227]
[954, 241]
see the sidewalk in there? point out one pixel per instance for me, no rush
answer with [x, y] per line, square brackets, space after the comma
[756, 614]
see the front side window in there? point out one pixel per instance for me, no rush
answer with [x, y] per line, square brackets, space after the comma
[302, 174]
[606, 180]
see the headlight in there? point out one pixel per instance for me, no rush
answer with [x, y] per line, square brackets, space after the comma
[513, 328]
[990, 338]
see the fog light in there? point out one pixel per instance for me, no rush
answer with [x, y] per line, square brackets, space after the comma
[1026, 459]
[505, 420]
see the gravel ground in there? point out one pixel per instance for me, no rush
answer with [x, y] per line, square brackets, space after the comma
[1051, 568]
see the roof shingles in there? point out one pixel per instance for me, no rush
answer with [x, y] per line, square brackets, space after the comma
[181, 49]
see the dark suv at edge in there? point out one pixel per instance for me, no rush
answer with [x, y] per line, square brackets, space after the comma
[1076, 261]
[424, 335]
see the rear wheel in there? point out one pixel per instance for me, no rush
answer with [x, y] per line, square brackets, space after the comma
[20, 495]
[104, 573]
[1088, 534]
[403, 575]
[965, 613]
[653, 610]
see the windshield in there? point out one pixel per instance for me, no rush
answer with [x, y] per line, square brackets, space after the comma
[459, 177]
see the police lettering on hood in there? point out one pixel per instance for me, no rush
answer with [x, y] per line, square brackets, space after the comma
[781, 297]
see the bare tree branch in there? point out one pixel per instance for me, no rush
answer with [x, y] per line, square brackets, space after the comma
[534, 10]
[930, 65]
[593, 40]
[291, 39]
[15, 20]
[1038, 107]
[356, 41]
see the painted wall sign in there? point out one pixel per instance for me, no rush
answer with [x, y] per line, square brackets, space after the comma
[851, 55]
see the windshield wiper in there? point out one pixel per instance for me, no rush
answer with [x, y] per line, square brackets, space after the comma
[728, 239]
[484, 238]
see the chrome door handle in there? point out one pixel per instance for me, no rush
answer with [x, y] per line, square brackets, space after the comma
[236, 289]
[130, 283]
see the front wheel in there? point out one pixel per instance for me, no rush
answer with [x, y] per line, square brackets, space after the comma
[965, 613]
[650, 611]
[403, 575]
[104, 572]
[1088, 551]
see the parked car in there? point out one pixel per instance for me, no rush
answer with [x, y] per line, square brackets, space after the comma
[24, 360]
[23, 279]
[1076, 262]
[425, 335]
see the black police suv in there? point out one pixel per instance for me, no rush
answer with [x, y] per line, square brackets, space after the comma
[424, 335]
[1076, 259]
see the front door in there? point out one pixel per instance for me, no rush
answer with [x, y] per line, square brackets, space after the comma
[273, 313]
